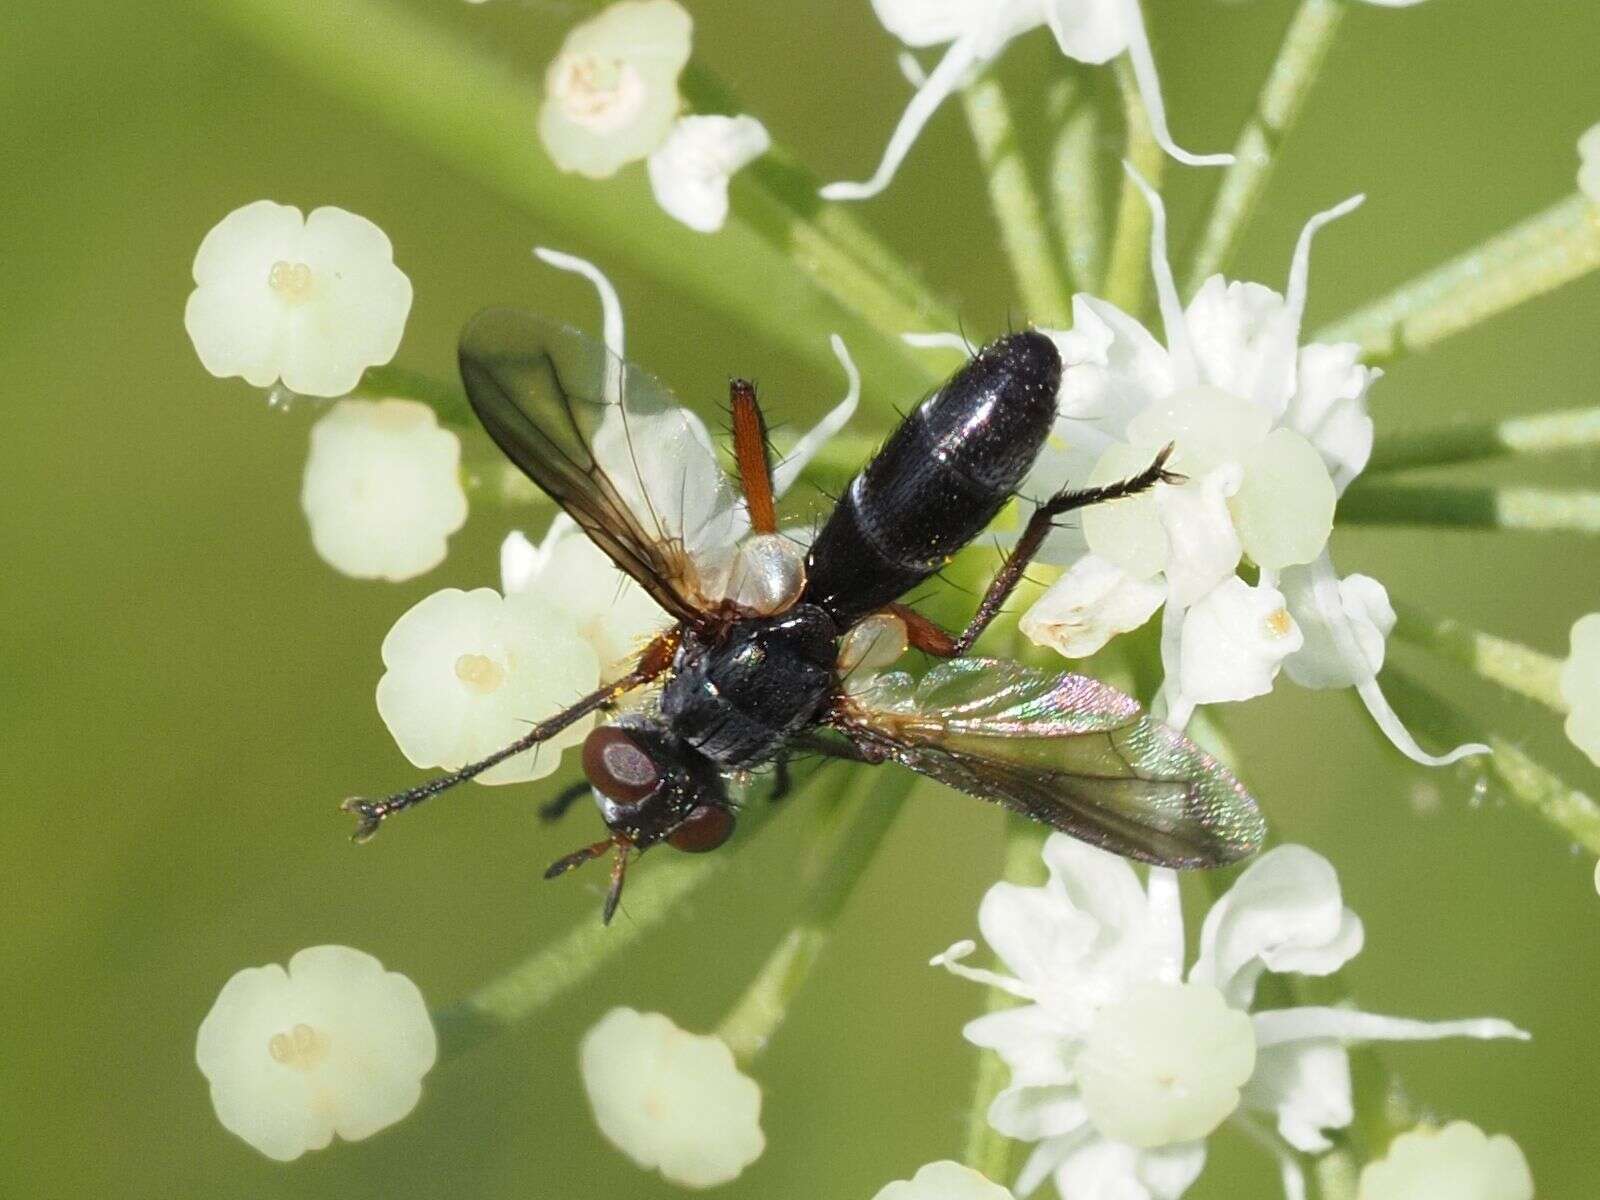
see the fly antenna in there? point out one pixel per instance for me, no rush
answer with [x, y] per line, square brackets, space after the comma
[619, 869]
[577, 858]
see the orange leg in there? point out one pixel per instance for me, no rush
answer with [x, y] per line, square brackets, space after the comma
[750, 451]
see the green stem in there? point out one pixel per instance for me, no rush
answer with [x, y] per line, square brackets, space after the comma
[1078, 207]
[1538, 433]
[656, 888]
[1128, 272]
[775, 269]
[1513, 666]
[1305, 46]
[1510, 771]
[863, 818]
[1532, 258]
[1536, 510]
[1046, 293]
[987, 1150]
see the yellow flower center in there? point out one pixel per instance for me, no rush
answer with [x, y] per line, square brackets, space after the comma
[1279, 623]
[290, 280]
[604, 94]
[302, 1047]
[480, 673]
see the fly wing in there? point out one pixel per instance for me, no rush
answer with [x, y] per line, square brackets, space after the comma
[1065, 750]
[610, 444]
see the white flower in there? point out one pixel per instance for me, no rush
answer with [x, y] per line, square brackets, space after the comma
[611, 95]
[1120, 1064]
[1457, 1162]
[570, 573]
[976, 31]
[1580, 686]
[943, 1180]
[382, 488]
[671, 1101]
[1589, 163]
[1267, 433]
[1088, 606]
[313, 301]
[1234, 640]
[333, 1045]
[689, 173]
[467, 672]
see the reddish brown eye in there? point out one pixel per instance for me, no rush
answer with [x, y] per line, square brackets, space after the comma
[705, 828]
[617, 766]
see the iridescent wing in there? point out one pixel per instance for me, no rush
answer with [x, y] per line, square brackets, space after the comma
[611, 445]
[1066, 750]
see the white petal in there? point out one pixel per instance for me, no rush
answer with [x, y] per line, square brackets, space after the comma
[1279, 1026]
[671, 1101]
[1128, 533]
[690, 172]
[1305, 1086]
[1103, 1170]
[1285, 912]
[1242, 341]
[1038, 938]
[335, 1044]
[1037, 1043]
[1117, 368]
[1364, 617]
[1185, 367]
[786, 472]
[1088, 606]
[467, 671]
[1166, 921]
[939, 341]
[1329, 407]
[611, 323]
[931, 22]
[1091, 31]
[1144, 71]
[1580, 685]
[1032, 1113]
[1165, 1065]
[382, 488]
[1589, 163]
[943, 1181]
[1100, 884]
[1234, 640]
[951, 72]
[357, 308]
[1457, 1162]
[1300, 266]
[1283, 509]
[1344, 648]
[1203, 548]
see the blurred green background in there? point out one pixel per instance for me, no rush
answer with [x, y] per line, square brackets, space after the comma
[185, 690]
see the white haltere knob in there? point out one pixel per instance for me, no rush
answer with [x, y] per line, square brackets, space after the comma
[768, 574]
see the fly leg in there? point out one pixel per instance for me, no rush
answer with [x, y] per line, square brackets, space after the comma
[751, 452]
[928, 637]
[556, 808]
[1039, 526]
[656, 658]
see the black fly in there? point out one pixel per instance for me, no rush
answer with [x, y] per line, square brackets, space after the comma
[754, 666]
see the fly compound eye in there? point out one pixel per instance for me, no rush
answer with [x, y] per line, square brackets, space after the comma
[618, 767]
[705, 828]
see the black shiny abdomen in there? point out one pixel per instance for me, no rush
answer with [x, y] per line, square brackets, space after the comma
[737, 700]
[938, 481]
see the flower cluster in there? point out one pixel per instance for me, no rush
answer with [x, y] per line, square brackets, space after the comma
[1122, 1063]
[1266, 433]
[611, 98]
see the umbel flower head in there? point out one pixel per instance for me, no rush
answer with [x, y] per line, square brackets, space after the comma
[1122, 1064]
[332, 1045]
[672, 1101]
[313, 301]
[382, 488]
[1267, 434]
